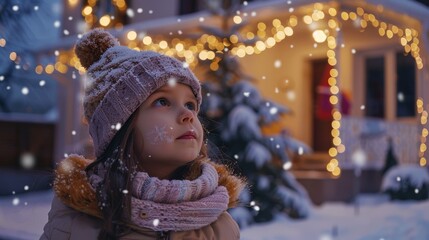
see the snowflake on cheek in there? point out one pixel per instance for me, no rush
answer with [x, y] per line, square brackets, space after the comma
[160, 134]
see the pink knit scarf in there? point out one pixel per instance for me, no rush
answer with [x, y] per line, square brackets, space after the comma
[176, 205]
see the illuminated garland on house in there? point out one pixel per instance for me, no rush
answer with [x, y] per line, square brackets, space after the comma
[424, 134]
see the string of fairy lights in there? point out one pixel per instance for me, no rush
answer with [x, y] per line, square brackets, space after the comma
[423, 121]
[333, 164]
[193, 51]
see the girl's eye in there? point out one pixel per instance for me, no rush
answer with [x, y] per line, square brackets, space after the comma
[161, 102]
[191, 106]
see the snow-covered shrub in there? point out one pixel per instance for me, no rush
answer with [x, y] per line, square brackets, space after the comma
[406, 182]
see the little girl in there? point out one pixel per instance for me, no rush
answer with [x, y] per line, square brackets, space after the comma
[151, 178]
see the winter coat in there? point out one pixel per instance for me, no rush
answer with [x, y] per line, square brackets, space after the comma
[77, 216]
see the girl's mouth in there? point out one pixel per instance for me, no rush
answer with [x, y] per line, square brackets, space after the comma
[188, 135]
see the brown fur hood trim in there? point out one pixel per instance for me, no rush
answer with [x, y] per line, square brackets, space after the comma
[72, 186]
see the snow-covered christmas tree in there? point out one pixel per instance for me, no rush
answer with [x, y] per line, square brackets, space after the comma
[234, 114]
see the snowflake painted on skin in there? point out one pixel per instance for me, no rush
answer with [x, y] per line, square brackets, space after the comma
[160, 134]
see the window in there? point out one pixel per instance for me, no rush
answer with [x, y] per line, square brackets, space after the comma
[374, 94]
[388, 83]
[405, 85]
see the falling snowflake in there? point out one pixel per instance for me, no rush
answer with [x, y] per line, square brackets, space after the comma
[291, 95]
[300, 150]
[277, 64]
[26, 188]
[172, 82]
[325, 237]
[130, 12]
[25, 91]
[287, 165]
[15, 201]
[156, 222]
[401, 97]
[42, 83]
[27, 160]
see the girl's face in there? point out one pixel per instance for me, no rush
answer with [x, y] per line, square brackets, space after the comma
[168, 131]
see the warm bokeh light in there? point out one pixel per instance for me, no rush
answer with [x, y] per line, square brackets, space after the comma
[319, 36]
[105, 20]
[2, 42]
[87, 11]
[132, 35]
[73, 3]
[12, 56]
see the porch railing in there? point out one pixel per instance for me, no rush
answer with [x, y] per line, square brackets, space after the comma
[372, 136]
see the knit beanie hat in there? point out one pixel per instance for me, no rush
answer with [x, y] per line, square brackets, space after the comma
[122, 79]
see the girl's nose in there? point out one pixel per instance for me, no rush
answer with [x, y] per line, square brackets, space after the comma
[186, 115]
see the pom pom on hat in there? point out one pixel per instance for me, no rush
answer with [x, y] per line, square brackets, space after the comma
[92, 45]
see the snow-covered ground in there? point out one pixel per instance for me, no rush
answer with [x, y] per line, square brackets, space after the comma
[377, 219]
[23, 216]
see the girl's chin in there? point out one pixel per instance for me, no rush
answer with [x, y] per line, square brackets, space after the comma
[176, 161]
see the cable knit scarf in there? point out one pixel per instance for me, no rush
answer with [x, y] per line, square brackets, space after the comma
[177, 205]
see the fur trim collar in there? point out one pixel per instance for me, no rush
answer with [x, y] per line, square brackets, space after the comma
[72, 187]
